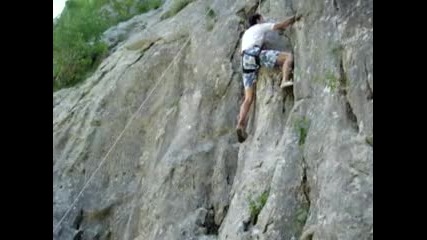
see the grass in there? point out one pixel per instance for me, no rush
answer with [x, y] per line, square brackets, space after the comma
[255, 206]
[77, 45]
[176, 6]
[211, 19]
[301, 215]
[211, 13]
[302, 125]
[145, 6]
[331, 80]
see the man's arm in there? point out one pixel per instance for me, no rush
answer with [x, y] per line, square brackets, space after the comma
[283, 25]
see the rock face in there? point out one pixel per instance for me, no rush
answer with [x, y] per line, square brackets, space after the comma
[170, 93]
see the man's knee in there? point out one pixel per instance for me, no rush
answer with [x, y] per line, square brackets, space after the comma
[284, 57]
[249, 96]
[290, 57]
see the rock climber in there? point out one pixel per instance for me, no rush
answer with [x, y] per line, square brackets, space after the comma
[253, 57]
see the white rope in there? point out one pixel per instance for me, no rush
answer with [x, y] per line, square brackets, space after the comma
[118, 138]
[120, 135]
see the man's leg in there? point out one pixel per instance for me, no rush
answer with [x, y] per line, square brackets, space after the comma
[285, 60]
[248, 82]
[274, 58]
[244, 108]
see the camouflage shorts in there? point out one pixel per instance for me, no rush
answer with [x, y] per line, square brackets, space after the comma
[267, 59]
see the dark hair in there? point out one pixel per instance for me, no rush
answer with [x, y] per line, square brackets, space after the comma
[254, 19]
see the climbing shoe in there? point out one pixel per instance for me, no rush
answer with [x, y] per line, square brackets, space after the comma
[241, 135]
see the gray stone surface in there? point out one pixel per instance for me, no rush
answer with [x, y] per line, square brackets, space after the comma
[178, 171]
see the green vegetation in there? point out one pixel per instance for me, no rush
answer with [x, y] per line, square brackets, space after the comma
[211, 19]
[302, 126]
[256, 206]
[331, 80]
[176, 6]
[211, 13]
[77, 47]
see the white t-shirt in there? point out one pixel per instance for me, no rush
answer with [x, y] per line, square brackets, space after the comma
[255, 35]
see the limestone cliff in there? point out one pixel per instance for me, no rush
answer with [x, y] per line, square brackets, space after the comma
[178, 172]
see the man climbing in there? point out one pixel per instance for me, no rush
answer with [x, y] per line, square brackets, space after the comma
[253, 57]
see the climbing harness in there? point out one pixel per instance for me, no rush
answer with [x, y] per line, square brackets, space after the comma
[251, 60]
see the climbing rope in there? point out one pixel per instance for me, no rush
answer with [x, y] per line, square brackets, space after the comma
[120, 136]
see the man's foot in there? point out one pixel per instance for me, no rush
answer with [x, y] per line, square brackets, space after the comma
[286, 84]
[241, 134]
